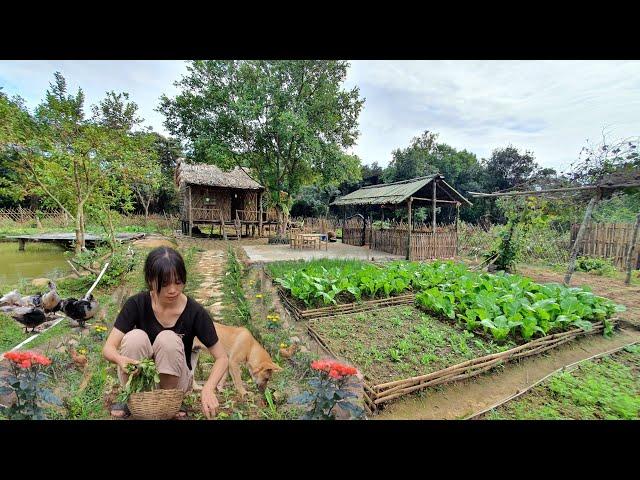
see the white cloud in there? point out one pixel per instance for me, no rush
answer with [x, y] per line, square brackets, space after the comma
[549, 107]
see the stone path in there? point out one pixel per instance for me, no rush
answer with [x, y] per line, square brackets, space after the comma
[211, 266]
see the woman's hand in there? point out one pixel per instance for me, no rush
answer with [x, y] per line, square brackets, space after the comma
[209, 402]
[124, 361]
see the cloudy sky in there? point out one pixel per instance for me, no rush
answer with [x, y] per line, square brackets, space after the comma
[549, 107]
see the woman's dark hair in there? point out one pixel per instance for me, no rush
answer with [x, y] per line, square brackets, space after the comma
[164, 265]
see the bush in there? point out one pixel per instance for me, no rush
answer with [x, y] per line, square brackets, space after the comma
[599, 266]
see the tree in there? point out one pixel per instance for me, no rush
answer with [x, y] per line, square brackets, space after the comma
[288, 121]
[313, 200]
[169, 151]
[412, 161]
[507, 168]
[16, 128]
[74, 162]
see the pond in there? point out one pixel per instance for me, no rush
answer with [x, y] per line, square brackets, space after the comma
[37, 260]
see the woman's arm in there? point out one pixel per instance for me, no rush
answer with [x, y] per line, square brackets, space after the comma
[110, 349]
[208, 396]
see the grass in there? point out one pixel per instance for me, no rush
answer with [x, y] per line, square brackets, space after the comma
[400, 342]
[606, 388]
[11, 333]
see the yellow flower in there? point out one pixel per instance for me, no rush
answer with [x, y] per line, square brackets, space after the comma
[283, 345]
[259, 295]
[82, 351]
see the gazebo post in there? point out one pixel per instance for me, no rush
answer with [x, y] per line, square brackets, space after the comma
[433, 208]
[457, 215]
[409, 228]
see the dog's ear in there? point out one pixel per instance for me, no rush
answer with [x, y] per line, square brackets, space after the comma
[273, 366]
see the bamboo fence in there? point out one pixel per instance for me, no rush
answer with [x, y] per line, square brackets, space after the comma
[607, 240]
[316, 225]
[333, 310]
[375, 395]
[425, 244]
[24, 215]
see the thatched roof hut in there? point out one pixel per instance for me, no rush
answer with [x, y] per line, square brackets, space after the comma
[208, 194]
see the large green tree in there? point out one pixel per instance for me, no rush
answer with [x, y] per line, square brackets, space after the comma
[289, 121]
[75, 163]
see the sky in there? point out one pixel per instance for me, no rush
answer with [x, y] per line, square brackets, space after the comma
[548, 107]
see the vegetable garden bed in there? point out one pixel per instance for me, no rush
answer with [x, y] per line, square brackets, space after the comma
[401, 350]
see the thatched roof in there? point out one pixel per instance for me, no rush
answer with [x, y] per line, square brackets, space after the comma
[396, 192]
[210, 175]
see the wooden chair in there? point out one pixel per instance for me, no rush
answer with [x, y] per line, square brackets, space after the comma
[295, 241]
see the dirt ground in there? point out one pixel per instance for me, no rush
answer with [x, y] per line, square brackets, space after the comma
[278, 252]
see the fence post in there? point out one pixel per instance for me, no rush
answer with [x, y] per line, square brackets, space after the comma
[576, 244]
[631, 249]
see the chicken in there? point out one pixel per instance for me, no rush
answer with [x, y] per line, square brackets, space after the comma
[30, 317]
[288, 351]
[79, 310]
[78, 359]
[11, 298]
[51, 300]
[31, 300]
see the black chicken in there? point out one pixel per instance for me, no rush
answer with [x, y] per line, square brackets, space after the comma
[79, 310]
[30, 317]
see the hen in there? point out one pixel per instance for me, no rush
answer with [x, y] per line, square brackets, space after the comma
[78, 359]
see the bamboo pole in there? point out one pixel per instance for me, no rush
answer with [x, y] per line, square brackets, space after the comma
[631, 249]
[576, 244]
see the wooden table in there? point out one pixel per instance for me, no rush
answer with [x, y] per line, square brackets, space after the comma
[313, 239]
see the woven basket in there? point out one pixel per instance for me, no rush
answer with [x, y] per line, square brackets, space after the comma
[159, 404]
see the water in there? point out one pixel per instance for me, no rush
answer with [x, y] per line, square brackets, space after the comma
[37, 260]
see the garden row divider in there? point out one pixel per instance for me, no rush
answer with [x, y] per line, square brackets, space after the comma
[334, 310]
[567, 368]
[390, 390]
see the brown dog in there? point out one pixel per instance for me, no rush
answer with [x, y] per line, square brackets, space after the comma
[242, 348]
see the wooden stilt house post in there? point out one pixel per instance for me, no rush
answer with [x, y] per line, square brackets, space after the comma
[190, 213]
[260, 213]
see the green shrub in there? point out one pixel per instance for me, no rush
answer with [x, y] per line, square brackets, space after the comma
[599, 266]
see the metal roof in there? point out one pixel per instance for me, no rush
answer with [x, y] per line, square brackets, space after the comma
[396, 192]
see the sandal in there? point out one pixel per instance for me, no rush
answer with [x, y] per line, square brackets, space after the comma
[120, 407]
[182, 413]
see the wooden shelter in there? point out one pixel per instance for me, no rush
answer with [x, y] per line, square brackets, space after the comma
[211, 196]
[417, 242]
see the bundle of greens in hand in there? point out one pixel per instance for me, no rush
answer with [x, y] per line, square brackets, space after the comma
[143, 377]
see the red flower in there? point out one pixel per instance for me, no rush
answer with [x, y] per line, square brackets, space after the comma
[26, 359]
[12, 356]
[333, 368]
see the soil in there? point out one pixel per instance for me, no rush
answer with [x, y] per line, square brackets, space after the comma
[422, 343]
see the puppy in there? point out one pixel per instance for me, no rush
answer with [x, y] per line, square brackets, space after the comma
[242, 348]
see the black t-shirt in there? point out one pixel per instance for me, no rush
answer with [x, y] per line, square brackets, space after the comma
[194, 321]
